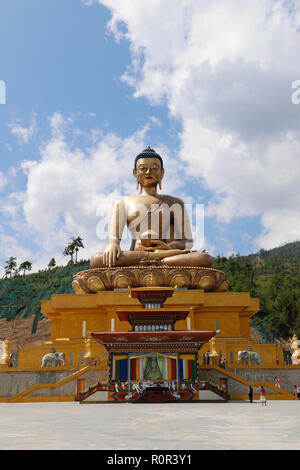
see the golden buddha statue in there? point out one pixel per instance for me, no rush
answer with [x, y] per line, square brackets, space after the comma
[159, 224]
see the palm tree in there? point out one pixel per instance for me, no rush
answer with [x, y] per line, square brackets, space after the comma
[69, 251]
[52, 263]
[78, 243]
[73, 247]
[26, 266]
[10, 266]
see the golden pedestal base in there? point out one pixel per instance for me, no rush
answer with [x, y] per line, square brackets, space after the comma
[101, 279]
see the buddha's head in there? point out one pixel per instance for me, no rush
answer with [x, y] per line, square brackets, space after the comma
[148, 168]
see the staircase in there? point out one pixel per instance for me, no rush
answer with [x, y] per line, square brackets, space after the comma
[92, 389]
[205, 385]
[215, 389]
[24, 396]
[279, 392]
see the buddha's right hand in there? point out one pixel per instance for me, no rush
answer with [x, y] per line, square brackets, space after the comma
[111, 254]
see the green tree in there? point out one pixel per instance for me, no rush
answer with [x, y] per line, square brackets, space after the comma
[10, 266]
[25, 266]
[78, 243]
[73, 247]
[52, 263]
[69, 251]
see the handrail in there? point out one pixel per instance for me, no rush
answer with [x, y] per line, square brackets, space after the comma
[76, 374]
[252, 383]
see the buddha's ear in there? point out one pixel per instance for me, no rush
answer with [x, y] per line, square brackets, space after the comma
[162, 173]
[135, 176]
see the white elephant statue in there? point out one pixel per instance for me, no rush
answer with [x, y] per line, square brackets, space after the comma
[246, 356]
[54, 358]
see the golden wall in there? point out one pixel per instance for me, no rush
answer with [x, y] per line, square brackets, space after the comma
[74, 316]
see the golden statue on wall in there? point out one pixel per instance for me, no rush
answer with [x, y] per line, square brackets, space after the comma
[295, 346]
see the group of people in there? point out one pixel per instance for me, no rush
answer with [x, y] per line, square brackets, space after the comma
[297, 391]
[207, 360]
[262, 395]
[222, 362]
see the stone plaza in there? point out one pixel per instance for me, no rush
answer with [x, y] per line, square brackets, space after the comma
[189, 426]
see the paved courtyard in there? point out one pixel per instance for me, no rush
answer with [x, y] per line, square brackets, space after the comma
[225, 426]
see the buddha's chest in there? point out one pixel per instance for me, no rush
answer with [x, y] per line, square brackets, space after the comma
[150, 209]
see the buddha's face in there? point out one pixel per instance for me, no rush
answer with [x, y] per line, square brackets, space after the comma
[148, 172]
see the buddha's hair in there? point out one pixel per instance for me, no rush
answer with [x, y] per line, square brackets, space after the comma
[148, 153]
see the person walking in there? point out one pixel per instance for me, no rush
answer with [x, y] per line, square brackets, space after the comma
[262, 394]
[250, 394]
[298, 391]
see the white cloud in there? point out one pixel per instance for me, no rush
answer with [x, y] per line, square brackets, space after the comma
[11, 246]
[3, 180]
[225, 70]
[68, 189]
[24, 134]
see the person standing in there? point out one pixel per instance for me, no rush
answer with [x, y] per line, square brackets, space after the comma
[298, 391]
[262, 394]
[250, 394]
[220, 362]
[277, 382]
[207, 358]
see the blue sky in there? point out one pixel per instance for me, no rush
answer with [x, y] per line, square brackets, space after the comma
[90, 83]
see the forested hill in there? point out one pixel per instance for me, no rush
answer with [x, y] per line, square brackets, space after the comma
[274, 277]
[21, 295]
[271, 275]
[284, 258]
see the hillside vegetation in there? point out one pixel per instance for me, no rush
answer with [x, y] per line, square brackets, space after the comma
[274, 277]
[21, 295]
[271, 275]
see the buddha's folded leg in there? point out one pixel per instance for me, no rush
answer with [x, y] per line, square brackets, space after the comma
[127, 258]
[194, 259]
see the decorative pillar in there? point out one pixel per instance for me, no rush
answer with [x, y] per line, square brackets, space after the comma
[109, 361]
[84, 329]
[197, 367]
[178, 371]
